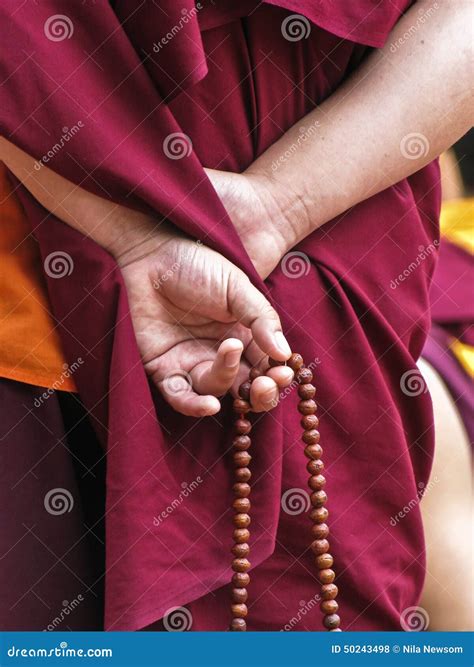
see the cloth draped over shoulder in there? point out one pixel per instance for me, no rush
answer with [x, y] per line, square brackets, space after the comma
[129, 76]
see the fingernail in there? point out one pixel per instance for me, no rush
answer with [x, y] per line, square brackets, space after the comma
[231, 359]
[282, 343]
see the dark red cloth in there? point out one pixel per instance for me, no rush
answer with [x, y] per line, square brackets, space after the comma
[342, 316]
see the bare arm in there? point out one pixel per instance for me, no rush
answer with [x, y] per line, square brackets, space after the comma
[406, 104]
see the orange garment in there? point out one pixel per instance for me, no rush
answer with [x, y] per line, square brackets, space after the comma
[30, 349]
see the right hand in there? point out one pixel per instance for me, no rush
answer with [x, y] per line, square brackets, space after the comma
[195, 314]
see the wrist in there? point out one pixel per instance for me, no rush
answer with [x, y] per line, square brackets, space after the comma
[288, 211]
[132, 235]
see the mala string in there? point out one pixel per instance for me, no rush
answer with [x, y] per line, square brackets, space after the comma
[316, 482]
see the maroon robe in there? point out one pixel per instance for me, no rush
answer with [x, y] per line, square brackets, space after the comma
[232, 82]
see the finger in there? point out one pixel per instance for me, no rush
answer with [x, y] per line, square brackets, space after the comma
[177, 391]
[217, 377]
[264, 394]
[253, 310]
[283, 375]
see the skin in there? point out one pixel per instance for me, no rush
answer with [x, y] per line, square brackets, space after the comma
[424, 86]
[273, 210]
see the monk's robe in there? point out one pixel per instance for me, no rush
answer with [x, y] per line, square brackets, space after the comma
[228, 77]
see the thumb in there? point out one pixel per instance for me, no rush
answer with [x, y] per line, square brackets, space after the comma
[254, 311]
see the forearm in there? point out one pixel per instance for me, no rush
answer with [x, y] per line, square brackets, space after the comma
[116, 228]
[401, 109]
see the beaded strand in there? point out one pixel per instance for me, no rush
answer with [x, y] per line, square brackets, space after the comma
[319, 514]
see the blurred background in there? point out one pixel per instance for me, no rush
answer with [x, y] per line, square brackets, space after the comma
[447, 366]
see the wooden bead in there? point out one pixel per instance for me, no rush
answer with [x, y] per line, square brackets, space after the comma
[255, 373]
[241, 406]
[241, 489]
[332, 621]
[315, 467]
[319, 546]
[240, 610]
[273, 362]
[241, 520]
[319, 515]
[244, 391]
[316, 482]
[329, 591]
[313, 451]
[238, 625]
[319, 498]
[241, 443]
[311, 437]
[295, 362]
[241, 535]
[243, 565]
[308, 407]
[324, 561]
[241, 505]
[242, 550]
[326, 576]
[240, 595]
[242, 474]
[319, 531]
[306, 391]
[328, 606]
[309, 422]
[243, 426]
[241, 459]
[240, 579]
[304, 376]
